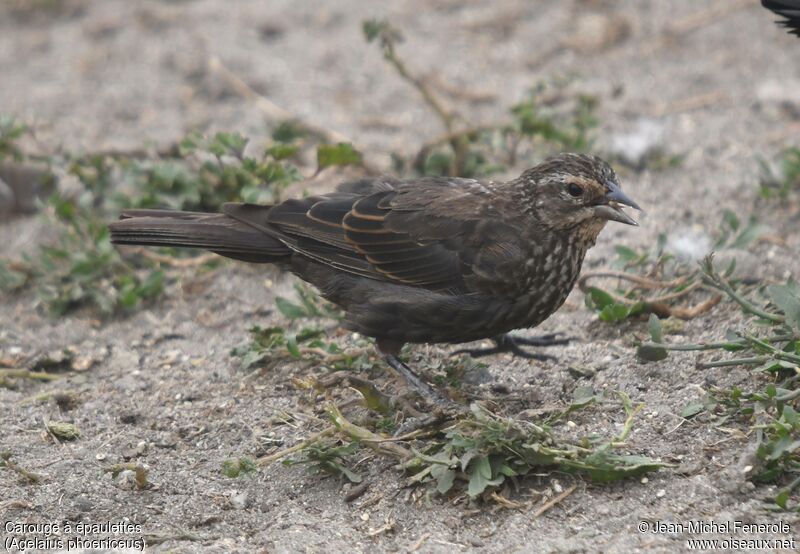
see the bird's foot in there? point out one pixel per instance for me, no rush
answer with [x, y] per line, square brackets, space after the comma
[427, 391]
[442, 409]
[512, 345]
[440, 415]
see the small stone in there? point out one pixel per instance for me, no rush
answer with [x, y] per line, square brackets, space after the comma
[661, 493]
[129, 418]
[240, 501]
[82, 505]
[126, 480]
[581, 372]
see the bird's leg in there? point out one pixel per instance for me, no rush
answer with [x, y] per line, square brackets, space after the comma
[507, 343]
[443, 408]
[413, 379]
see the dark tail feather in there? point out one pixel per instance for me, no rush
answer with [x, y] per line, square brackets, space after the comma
[790, 9]
[215, 232]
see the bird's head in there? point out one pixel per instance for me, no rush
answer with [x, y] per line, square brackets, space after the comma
[574, 191]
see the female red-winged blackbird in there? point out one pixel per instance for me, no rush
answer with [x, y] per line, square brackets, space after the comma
[432, 259]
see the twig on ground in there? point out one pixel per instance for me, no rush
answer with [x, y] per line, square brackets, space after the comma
[5, 461]
[373, 396]
[655, 304]
[368, 438]
[176, 262]
[266, 460]
[420, 541]
[554, 501]
[27, 374]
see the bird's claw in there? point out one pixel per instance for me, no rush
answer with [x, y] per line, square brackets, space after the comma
[441, 414]
[508, 344]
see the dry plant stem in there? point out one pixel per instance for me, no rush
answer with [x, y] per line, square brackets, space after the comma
[506, 503]
[266, 460]
[176, 262]
[417, 545]
[458, 141]
[17, 504]
[690, 103]
[554, 501]
[368, 390]
[444, 114]
[714, 280]
[691, 312]
[368, 437]
[333, 358]
[26, 374]
[628, 427]
[655, 304]
[49, 432]
[757, 360]
[274, 112]
[13, 466]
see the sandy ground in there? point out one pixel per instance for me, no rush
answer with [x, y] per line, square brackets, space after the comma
[115, 74]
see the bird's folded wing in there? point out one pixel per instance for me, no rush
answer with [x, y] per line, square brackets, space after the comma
[403, 234]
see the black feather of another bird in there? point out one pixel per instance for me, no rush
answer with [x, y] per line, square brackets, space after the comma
[789, 9]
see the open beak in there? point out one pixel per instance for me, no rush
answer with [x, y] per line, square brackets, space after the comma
[611, 208]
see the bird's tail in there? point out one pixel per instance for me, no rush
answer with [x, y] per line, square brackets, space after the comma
[217, 233]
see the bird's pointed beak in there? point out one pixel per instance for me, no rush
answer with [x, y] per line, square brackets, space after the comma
[611, 208]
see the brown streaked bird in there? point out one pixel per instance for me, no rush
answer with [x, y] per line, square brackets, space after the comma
[428, 260]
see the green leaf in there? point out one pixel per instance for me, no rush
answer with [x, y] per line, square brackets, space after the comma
[603, 467]
[731, 220]
[582, 395]
[654, 326]
[288, 131]
[481, 476]
[627, 255]
[445, 477]
[282, 151]
[782, 498]
[291, 346]
[234, 467]
[749, 234]
[338, 154]
[787, 299]
[614, 313]
[290, 309]
[600, 298]
[692, 409]
[652, 352]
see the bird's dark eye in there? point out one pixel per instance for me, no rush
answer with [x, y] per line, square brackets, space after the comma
[574, 190]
